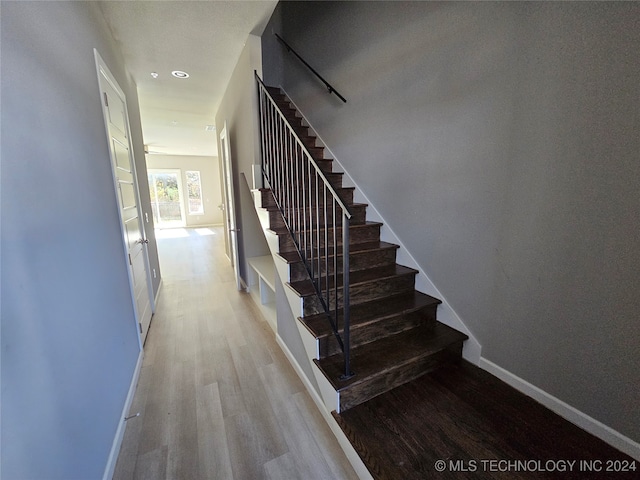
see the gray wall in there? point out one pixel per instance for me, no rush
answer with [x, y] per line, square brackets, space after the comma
[500, 142]
[239, 109]
[69, 341]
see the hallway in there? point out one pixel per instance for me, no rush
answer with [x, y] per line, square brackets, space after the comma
[217, 397]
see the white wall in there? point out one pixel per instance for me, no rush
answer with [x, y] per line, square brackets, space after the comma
[209, 169]
[69, 340]
[500, 142]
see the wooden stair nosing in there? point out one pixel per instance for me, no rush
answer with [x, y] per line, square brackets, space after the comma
[376, 375]
[335, 179]
[277, 221]
[373, 311]
[388, 354]
[284, 231]
[354, 249]
[272, 207]
[378, 256]
[359, 233]
[305, 288]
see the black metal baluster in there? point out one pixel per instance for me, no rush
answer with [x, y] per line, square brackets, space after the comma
[287, 176]
[311, 243]
[318, 227]
[346, 337]
[326, 247]
[299, 185]
[335, 268]
[288, 167]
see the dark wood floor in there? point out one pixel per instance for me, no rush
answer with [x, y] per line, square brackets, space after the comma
[476, 424]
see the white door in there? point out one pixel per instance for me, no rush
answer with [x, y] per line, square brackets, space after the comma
[231, 227]
[114, 107]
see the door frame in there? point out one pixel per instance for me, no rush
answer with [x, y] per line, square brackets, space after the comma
[104, 72]
[231, 225]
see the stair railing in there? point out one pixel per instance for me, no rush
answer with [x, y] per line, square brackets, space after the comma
[313, 213]
[326, 84]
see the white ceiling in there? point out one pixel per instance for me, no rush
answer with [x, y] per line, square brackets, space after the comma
[202, 38]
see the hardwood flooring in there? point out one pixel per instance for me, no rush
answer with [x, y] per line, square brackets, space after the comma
[217, 397]
[475, 424]
[219, 400]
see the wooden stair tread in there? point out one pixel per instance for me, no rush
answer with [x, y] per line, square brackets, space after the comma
[305, 288]
[348, 191]
[284, 231]
[384, 355]
[376, 310]
[293, 257]
[396, 337]
[272, 208]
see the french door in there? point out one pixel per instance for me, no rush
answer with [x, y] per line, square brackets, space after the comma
[165, 188]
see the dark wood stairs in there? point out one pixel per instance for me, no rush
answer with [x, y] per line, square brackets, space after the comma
[395, 335]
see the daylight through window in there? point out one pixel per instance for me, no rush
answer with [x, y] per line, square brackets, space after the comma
[194, 189]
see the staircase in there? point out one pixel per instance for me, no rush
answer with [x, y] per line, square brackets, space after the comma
[394, 334]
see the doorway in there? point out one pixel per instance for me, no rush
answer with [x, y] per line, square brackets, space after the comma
[165, 188]
[232, 228]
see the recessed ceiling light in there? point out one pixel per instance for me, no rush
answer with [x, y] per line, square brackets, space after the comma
[154, 74]
[209, 128]
[180, 74]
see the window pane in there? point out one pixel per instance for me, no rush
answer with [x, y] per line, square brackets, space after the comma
[166, 200]
[194, 189]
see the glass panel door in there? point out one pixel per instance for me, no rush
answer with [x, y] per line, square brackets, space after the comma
[165, 188]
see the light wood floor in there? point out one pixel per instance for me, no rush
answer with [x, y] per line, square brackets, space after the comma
[217, 397]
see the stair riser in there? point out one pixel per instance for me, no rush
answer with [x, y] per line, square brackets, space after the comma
[326, 165]
[335, 179]
[316, 152]
[346, 194]
[301, 131]
[359, 212]
[360, 393]
[370, 332]
[358, 234]
[267, 200]
[397, 331]
[313, 188]
[294, 120]
[309, 141]
[357, 261]
[303, 200]
[363, 292]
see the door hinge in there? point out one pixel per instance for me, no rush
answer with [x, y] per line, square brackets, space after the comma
[106, 99]
[140, 325]
[130, 262]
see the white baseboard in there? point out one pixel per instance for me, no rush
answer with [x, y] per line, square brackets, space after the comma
[117, 441]
[345, 444]
[575, 416]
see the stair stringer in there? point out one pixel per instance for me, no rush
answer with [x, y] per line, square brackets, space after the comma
[472, 349]
[330, 397]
